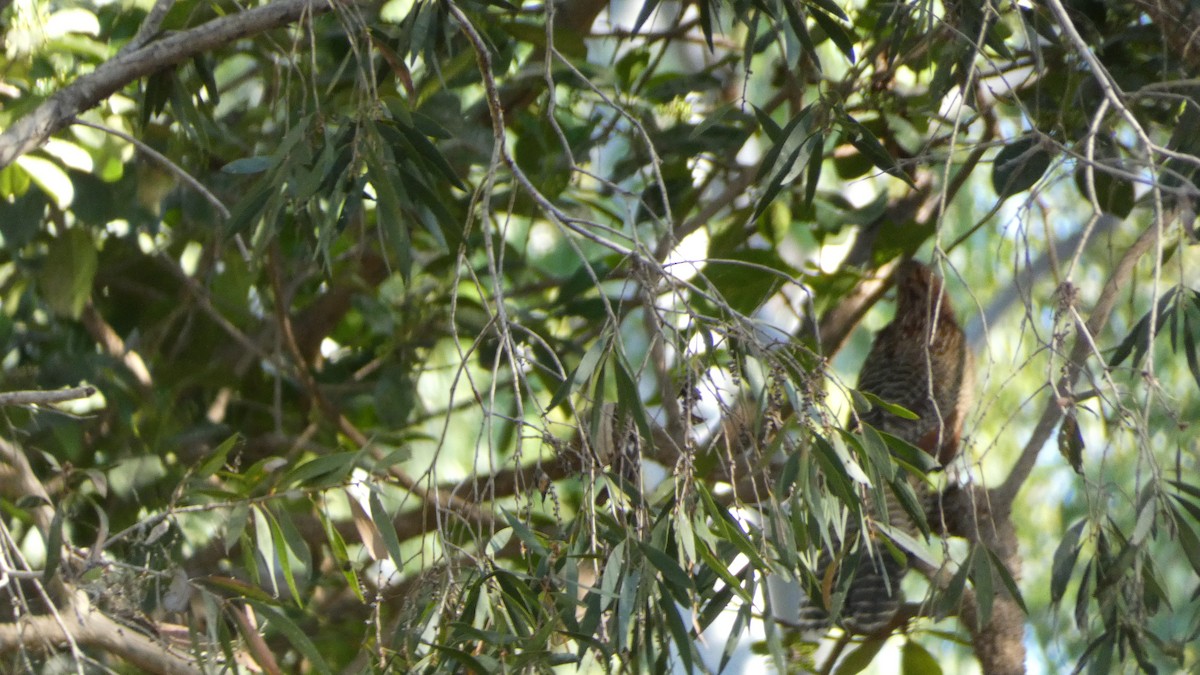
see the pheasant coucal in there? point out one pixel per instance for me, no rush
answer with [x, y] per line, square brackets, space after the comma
[920, 362]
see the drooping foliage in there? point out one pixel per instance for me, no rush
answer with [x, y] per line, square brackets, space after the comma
[493, 337]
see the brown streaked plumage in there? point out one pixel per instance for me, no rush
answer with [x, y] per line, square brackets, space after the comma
[922, 344]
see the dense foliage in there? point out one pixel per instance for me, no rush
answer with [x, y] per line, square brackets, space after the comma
[487, 337]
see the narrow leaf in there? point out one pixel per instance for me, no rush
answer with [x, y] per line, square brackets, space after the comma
[54, 545]
[1064, 561]
[279, 621]
[217, 459]
[916, 660]
[386, 529]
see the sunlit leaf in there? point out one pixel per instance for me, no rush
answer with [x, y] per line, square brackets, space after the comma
[50, 178]
[385, 528]
[916, 660]
[217, 459]
[68, 271]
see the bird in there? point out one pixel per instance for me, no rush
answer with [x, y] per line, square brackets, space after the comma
[921, 362]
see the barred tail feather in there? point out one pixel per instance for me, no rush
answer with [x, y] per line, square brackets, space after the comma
[872, 599]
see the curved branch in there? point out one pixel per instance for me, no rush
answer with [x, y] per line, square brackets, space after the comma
[32, 130]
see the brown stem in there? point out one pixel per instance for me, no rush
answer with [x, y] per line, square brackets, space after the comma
[1004, 495]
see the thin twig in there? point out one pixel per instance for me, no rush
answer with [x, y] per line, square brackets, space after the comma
[161, 159]
[150, 26]
[57, 111]
[1002, 497]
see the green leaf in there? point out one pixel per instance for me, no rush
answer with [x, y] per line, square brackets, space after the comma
[1006, 578]
[279, 621]
[279, 545]
[780, 164]
[897, 410]
[385, 526]
[733, 532]
[250, 165]
[722, 570]
[50, 177]
[216, 460]
[1190, 351]
[684, 645]
[1138, 340]
[1019, 165]
[981, 578]
[239, 515]
[249, 209]
[910, 503]
[815, 162]
[796, 21]
[1188, 541]
[648, 8]
[865, 141]
[1064, 561]
[746, 279]
[629, 401]
[389, 210]
[835, 468]
[583, 372]
[526, 535]
[1083, 597]
[951, 596]
[909, 456]
[768, 125]
[54, 545]
[1115, 195]
[237, 587]
[329, 469]
[916, 660]
[291, 536]
[469, 663]
[1188, 489]
[68, 272]
[426, 149]
[341, 556]
[877, 453]
[841, 36]
[672, 574]
[858, 660]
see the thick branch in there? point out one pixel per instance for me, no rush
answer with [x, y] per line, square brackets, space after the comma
[32, 130]
[17, 480]
[90, 628]
[999, 643]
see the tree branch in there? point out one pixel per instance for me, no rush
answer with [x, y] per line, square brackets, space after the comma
[32, 130]
[89, 627]
[45, 397]
[1002, 497]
